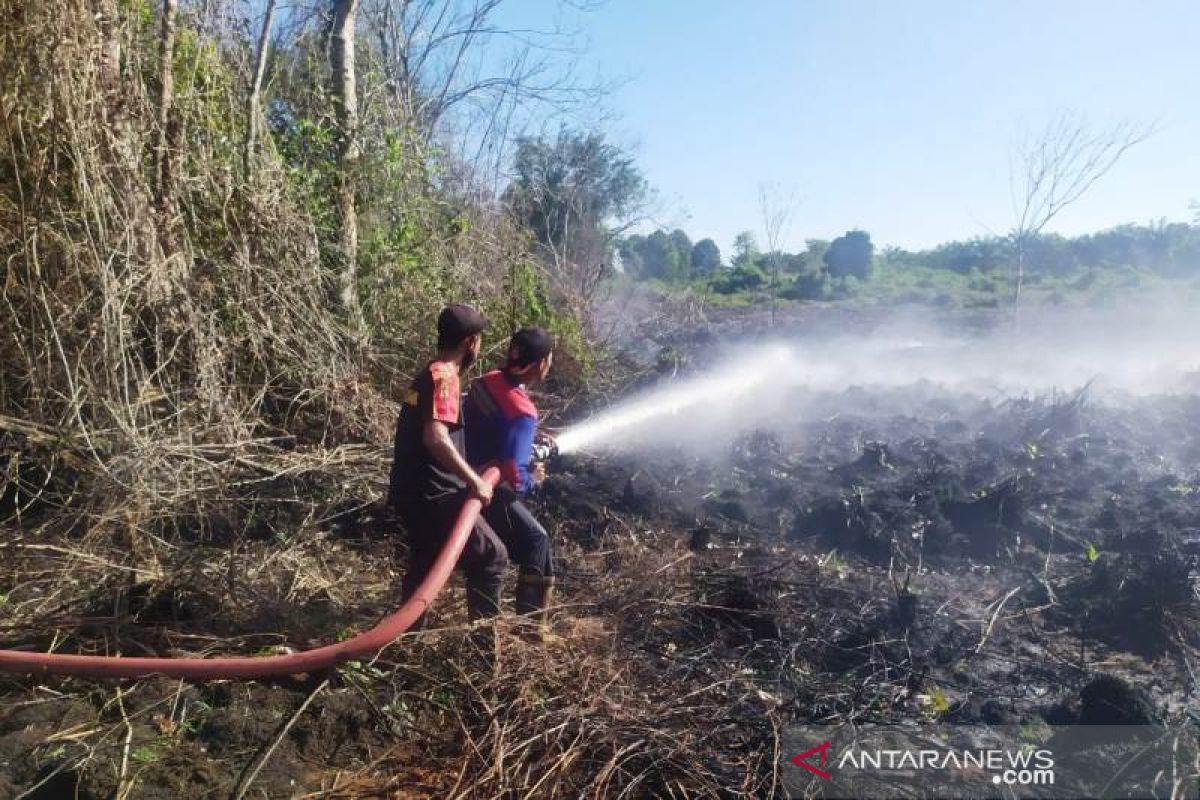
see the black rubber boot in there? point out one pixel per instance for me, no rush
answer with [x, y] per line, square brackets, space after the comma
[483, 600]
[483, 604]
[534, 595]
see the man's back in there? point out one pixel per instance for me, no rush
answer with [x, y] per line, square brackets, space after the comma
[415, 476]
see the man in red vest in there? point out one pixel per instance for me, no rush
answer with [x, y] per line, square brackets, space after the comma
[430, 478]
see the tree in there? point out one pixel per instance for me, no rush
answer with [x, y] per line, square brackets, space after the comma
[776, 212]
[814, 256]
[658, 256]
[576, 192]
[740, 279]
[807, 286]
[1162, 247]
[706, 258]
[168, 156]
[680, 268]
[964, 256]
[165, 173]
[1057, 167]
[630, 249]
[807, 278]
[453, 66]
[850, 255]
[681, 257]
[745, 250]
[250, 143]
[345, 96]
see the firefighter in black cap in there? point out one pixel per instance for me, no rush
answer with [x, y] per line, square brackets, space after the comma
[430, 478]
[501, 425]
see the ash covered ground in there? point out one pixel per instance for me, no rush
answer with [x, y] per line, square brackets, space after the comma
[975, 519]
[1010, 549]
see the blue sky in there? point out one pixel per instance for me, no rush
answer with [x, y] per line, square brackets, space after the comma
[896, 117]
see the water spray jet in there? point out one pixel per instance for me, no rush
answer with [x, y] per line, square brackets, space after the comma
[611, 428]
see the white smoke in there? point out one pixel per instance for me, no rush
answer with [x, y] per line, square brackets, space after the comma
[1119, 353]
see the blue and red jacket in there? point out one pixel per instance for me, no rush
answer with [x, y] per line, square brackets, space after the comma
[500, 421]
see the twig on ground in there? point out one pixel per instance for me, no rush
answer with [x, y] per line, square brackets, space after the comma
[999, 607]
[255, 766]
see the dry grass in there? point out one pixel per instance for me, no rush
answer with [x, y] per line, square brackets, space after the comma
[634, 696]
[153, 366]
[602, 709]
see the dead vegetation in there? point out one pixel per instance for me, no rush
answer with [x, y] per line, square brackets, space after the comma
[608, 708]
[190, 427]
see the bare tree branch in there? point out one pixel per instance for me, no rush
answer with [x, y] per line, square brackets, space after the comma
[453, 72]
[252, 99]
[776, 210]
[1057, 167]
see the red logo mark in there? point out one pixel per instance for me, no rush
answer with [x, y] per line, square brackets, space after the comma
[802, 760]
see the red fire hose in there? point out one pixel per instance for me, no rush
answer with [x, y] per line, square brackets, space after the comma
[364, 646]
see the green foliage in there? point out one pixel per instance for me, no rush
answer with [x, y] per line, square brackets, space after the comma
[850, 255]
[976, 273]
[809, 262]
[358, 670]
[939, 704]
[421, 246]
[745, 250]
[705, 258]
[306, 146]
[740, 279]
[567, 190]
[659, 256]
[147, 753]
[407, 233]
[142, 12]
[399, 710]
[527, 295]
[682, 247]
[1166, 249]
[527, 300]
[806, 286]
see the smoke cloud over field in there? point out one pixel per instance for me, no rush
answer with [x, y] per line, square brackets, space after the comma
[1119, 354]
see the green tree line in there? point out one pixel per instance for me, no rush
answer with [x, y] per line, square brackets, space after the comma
[825, 268]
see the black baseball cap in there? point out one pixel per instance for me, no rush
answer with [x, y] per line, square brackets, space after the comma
[457, 322]
[529, 345]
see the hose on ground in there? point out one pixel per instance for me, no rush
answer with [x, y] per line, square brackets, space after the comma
[364, 646]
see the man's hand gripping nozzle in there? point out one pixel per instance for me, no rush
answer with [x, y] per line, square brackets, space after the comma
[545, 451]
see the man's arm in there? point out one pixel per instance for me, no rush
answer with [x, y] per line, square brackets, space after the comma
[518, 448]
[436, 437]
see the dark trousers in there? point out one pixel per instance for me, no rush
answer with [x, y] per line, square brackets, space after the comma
[527, 542]
[483, 560]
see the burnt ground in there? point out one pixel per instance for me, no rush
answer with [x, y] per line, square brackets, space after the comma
[1001, 555]
[889, 555]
